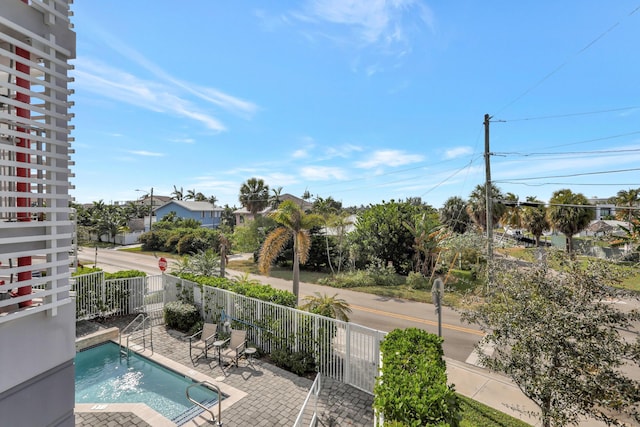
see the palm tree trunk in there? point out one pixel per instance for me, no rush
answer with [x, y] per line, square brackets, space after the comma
[296, 271]
[326, 238]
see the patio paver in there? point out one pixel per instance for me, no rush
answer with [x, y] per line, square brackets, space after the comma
[274, 396]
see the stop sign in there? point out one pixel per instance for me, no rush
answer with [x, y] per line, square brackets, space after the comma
[162, 264]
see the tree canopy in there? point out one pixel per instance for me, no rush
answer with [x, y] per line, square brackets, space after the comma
[558, 336]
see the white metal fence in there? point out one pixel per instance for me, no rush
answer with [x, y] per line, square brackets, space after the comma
[97, 297]
[344, 351]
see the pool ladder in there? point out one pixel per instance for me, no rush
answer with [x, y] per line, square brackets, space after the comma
[141, 322]
[215, 421]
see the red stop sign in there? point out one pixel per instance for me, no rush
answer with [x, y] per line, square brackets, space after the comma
[162, 264]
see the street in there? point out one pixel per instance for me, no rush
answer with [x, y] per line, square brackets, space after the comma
[382, 313]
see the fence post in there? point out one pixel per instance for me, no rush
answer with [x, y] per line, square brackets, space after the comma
[347, 355]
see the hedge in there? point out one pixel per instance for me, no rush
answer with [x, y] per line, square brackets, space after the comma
[412, 390]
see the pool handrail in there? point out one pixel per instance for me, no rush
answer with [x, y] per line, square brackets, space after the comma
[207, 384]
[143, 323]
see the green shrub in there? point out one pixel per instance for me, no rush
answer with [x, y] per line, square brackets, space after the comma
[298, 362]
[247, 288]
[413, 386]
[181, 316]
[416, 280]
[124, 274]
[80, 271]
[373, 276]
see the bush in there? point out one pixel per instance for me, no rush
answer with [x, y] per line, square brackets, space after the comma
[373, 276]
[246, 288]
[181, 316]
[413, 387]
[416, 280]
[298, 362]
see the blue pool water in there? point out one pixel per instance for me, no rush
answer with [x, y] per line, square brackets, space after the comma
[102, 376]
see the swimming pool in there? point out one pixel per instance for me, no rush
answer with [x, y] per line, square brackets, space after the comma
[102, 376]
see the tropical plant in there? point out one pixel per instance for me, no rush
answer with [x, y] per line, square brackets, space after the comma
[202, 263]
[512, 215]
[254, 195]
[427, 233]
[534, 217]
[625, 201]
[326, 209]
[566, 214]
[557, 335]
[294, 224]
[325, 305]
[177, 194]
[454, 215]
[380, 235]
[477, 206]
[274, 199]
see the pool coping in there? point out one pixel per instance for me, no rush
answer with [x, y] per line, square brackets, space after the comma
[152, 417]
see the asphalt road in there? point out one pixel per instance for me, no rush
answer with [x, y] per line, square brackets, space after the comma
[382, 313]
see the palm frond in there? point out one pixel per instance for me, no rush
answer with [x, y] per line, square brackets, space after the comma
[272, 246]
[304, 245]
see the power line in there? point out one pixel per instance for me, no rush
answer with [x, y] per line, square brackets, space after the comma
[599, 184]
[567, 153]
[562, 65]
[559, 116]
[574, 175]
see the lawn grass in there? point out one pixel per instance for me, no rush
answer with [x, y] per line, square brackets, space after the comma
[476, 414]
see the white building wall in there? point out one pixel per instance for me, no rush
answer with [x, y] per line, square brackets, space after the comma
[36, 342]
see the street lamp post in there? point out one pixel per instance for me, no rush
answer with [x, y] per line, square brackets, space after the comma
[150, 206]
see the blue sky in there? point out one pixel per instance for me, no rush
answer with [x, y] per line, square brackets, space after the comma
[361, 100]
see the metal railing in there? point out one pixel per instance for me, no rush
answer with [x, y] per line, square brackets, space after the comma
[214, 420]
[141, 321]
[311, 399]
[344, 351]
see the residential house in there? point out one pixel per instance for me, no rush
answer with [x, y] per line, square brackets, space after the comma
[204, 212]
[243, 216]
[37, 313]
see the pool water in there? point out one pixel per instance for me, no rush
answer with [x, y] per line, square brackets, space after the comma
[103, 376]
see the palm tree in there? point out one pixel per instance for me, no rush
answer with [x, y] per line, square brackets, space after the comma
[294, 224]
[274, 199]
[629, 199]
[512, 216]
[177, 194]
[254, 195]
[477, 206]
[454, 215]
[427, 233]
[566, 215]
[213, 199]
[325, 208]
[324, 305]
[534, 217]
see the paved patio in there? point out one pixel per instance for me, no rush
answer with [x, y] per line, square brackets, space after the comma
[274, 396]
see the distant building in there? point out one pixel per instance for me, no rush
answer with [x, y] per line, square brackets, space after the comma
[37, 313]
[203, 212]
[243, 216]
[604, 208]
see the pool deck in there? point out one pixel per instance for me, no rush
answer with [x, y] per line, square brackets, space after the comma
[264, 395]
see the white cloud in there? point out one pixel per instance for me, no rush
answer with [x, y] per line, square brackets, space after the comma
[184, 140]
[300, 153]
[374, 21]
[389, 158]
[457, 152]
[145, 153]
[319, 173]
[343, 151]
[124, 87]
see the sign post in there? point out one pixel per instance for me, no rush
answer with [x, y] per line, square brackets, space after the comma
[162, 264]
[436, 295]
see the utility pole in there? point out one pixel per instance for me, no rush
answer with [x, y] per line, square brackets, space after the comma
[488, 194]
[151, 210]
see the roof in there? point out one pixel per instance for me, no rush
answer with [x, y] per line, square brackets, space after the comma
[193, 206]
